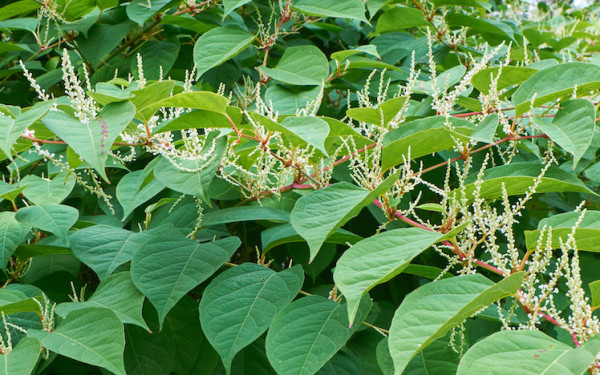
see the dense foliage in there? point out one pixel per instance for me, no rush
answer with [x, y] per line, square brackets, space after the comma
[299, 187]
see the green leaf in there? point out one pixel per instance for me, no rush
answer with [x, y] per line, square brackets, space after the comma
[12, 233]
[102, 39]
[384, 112]
[377, 259]
[368, 49]
[493, 31]
[527, 352]
[285, 233]
[240, 304]
[168, 266]
[595, 289]
[572, 127]
[400, 18]
[41, 190]
[219, 45]
[24, 356]
[422, 137]
[320, 213]
[93, 140]
[519, 177]
[301, 65]
[288, 100]
[443, 81]
[353, 9]
[430, 311]
[148, 353]
[587, 234]
[485, 131]
[244, 213]
[312, 130]
[117, 293]
[183, 326]
[555, 82]
[140, 10]
[231, 5]
[104, 248]
[105, 93]
[157, 54]
[308, 332]
[510, 75]
[199, 173]
[17, 8]
[54, 218]
[11, 129]
[147, 100]
[91, 335]
[136, 188]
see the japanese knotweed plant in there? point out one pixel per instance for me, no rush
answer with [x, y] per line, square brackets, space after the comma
[299, 187]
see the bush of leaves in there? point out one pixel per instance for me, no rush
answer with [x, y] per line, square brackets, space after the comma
[299, 187]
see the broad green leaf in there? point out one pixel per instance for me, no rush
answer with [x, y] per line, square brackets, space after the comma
[11, 129]
[430, 311]
[231, 5]
[244, 213]
[285, 233]
[381, 115]
[343, 362]
[400, 18]
[21, 360]
[41, 190]
[301, 65]
[587, 234]
[510, 75]
[91, 335]
[555, 82]
[572, 128]
[288, 100]
[320, 213]
[136, 188]
[384, 360]
[493, 31]
[219, 45]
[11, 191]
[102, 39]
[443, 81]
[438, 357]
[485, 131]
[147, 100]
[140, 10]
[240, 304]
[194, 120]
[12, 233]
[105, 93]
[422, 137]
[157, 54]
[377, 259]
[117, 293]
[93, 140]
[196, 176]
[204, 100]
[368, 49]
[148, 353]
[18, 7]
[519, 177]
[595, 289]
[308, 332]
[54, 218]
[353, 9]
[104, 248]
[527, 352]
[312, 130]
[167, 266]
[183, 326]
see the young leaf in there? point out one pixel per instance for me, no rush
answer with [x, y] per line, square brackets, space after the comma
[430, 311]
[167, 266]
[92, 140]
[353, 9]
[572, 127]
[92, 335]
[12, 233]
[44, 191]
[377, 259]
[117, 293]
[11, 129]
[54, 218]
[240, 304]
[219, 45]
[302, 65]
[308, 332]
[538, 353]
[595, 289]
[400, 18]
[384, 112]
[554, 82]
[22, 358]
[320, 213]
[193, 177]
